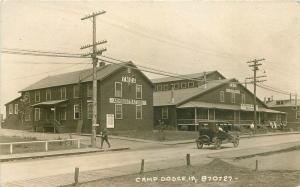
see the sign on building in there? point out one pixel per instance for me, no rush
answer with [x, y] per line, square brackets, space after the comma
[110, 123]
[233, 91]
[248, 107]
[127, 101]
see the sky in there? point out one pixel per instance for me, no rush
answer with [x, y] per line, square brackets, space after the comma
[176, 36]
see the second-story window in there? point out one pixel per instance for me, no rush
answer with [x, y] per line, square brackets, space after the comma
[76, 91]
[243, 99]
[232, 97]
[37, 96]
[118, 89]
[89, 88]
[63, 93]
[77, 112]
[118, 111]
[139, 91]
[48, 94]
[222, 97]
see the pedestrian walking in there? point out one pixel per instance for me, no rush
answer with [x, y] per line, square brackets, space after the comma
[104, 137]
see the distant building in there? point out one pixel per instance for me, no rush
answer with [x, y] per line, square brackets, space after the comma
[64, 102]
[183, 103]
[292, 109]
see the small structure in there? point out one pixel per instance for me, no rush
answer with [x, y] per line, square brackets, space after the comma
[292, 109]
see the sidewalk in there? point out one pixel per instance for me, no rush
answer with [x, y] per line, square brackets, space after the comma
[86, 176]
[34, 155]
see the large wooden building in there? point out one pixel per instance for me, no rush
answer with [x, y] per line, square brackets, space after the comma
[63, 102]
[183, 103]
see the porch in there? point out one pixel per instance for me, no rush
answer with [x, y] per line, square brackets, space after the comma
[48, 116]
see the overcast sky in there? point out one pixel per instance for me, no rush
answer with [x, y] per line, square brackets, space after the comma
[181, 37]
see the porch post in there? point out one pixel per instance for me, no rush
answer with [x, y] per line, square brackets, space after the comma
[195, 118]
[54, 113]
[208, 114]
[214, 114]
[258, 117]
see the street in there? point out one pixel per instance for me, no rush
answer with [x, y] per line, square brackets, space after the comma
[30, 169]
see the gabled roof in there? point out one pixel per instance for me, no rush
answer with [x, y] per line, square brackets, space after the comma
[193, 76]
[163, 98]
[13, 100]
[74, 77]
[283, 103]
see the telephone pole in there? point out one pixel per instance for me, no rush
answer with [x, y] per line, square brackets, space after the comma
[255, 65]
[94, 61]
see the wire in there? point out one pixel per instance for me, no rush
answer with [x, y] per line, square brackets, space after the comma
[38, 54]
[41, 51]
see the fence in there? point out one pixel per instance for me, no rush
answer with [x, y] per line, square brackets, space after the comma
[46, 142]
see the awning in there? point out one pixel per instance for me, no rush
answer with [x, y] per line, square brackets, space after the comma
[49, 103]
[200, 104]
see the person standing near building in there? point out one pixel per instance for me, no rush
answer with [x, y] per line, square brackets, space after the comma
[252, 128]
[104, 137]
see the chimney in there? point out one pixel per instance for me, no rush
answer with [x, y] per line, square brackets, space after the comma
[172, 95]
[101, 64]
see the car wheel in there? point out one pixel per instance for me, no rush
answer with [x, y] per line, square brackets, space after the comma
[199, 144]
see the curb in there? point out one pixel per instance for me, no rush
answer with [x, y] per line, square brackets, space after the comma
[60, 154]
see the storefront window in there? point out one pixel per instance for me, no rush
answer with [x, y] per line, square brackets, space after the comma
[77, 113]
[138, 111]
[90, 110]
[164, 113]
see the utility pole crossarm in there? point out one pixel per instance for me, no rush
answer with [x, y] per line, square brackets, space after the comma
[91, 45]
[93, 15]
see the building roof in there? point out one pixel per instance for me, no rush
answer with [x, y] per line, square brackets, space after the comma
[49, 103]
[74, 77]
[283, 103]
[163, 98]
[200, 104]
[13, 100]
[192, 76]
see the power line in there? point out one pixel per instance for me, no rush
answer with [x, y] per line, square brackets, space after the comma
[39, 54]
[41, 51]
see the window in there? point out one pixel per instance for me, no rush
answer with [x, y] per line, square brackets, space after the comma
[90, 110]
[298, 115]
[164, 113]
[10, 108]
[48, 95]
[63, 93]
[37, 96]
[63, 114]
[183, 85]
[232, 97]
[191, 84]
[243, 98]
[37, 114]
[89, 88]
[139, 90]
[118, 89]
[16, 108]
[166, 87]
[27, 115]
[222, 98]
[176, 86]
[294, 108]
[118, 111]
[77, 113]
[138, 111]
[159, 87]
[76, 91]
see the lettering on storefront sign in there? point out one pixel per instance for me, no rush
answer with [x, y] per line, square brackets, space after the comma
[248, 107]
[233, 91]
[233, 85]
[129, 79]
[127, 101]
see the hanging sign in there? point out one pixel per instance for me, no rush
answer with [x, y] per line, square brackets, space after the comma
[233, 91]
[248, 107]
[110, 121]
[129, 79]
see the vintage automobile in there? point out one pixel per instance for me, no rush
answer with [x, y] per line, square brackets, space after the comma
[216, 133]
